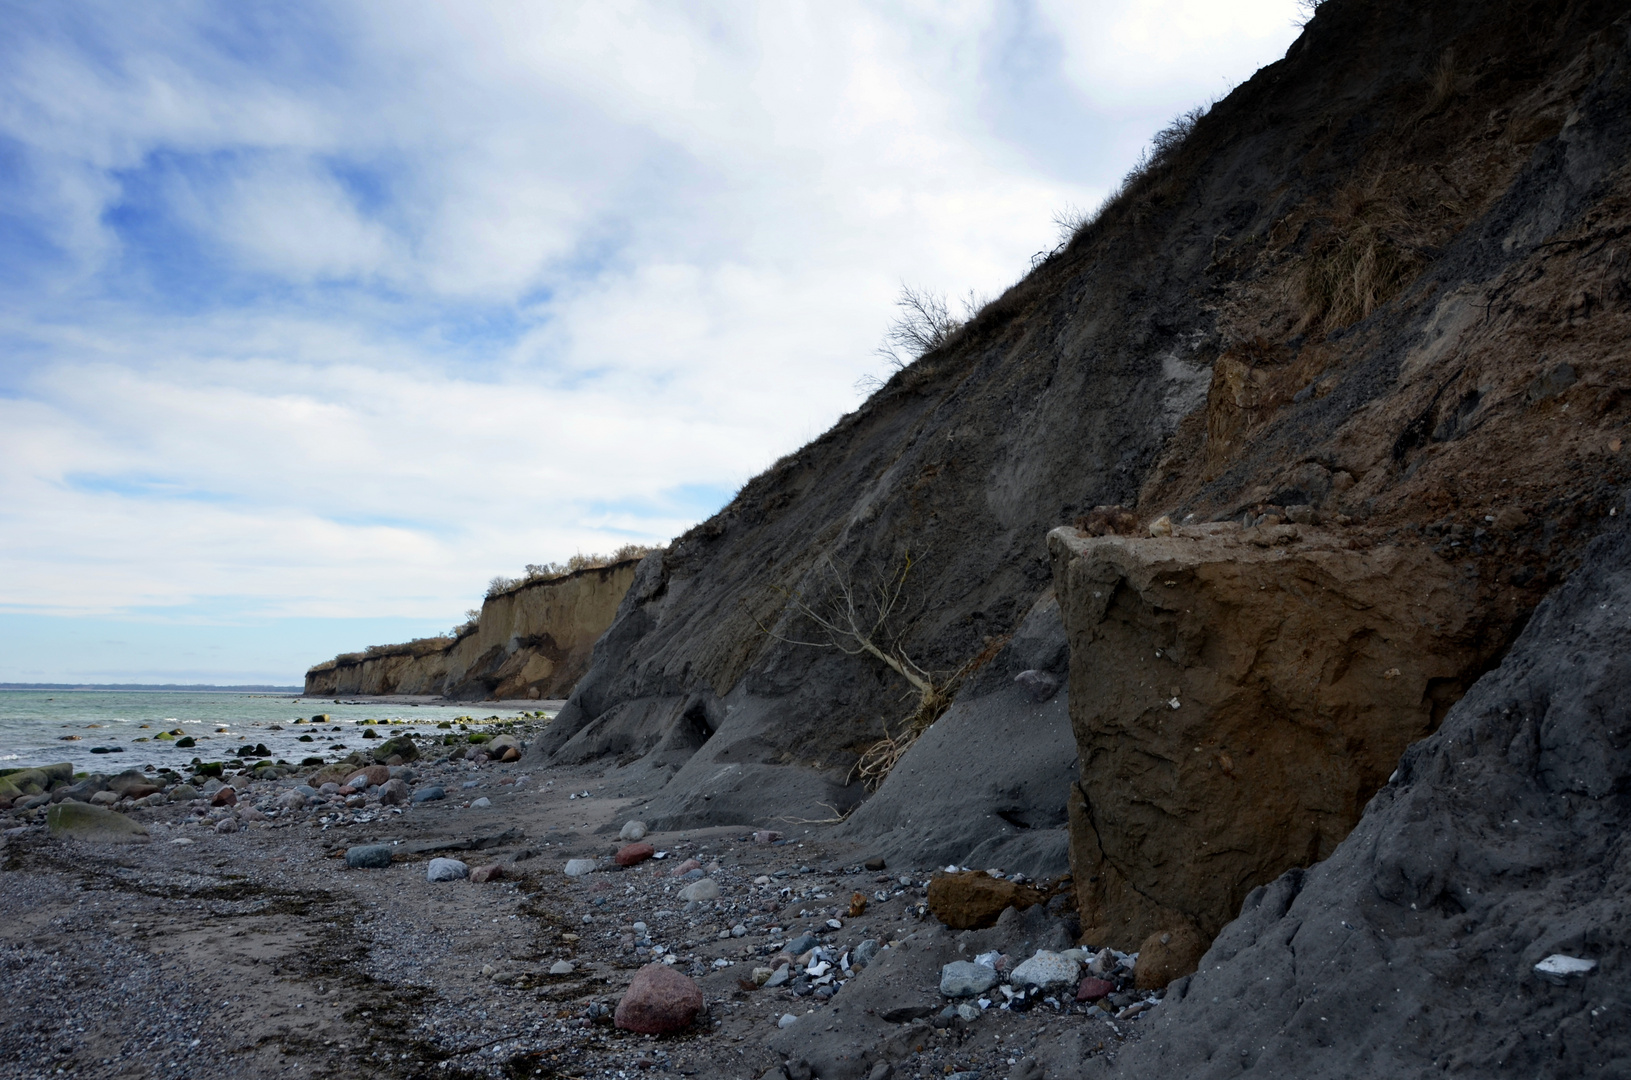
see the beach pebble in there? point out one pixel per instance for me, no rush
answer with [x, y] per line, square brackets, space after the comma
[562, 967]
[429, 794]
[579, 867]
[225, 795]
[446, 870]
[490, 872]
[633, 830]
[1047, 970]
[963, 978]
[787, 1020]
[864, 952]
[100, 798]
[632, 854]
[779, 977]
[484, 801]
[706, 889]
[291, 800]
[1558, 968]
[685, 868]
[393, 792]
[1093, 988]
[368, 856]
[368, 776]
[659, 1001]
[766, 836]
[227, 825]
[182, 793]
[802, 944]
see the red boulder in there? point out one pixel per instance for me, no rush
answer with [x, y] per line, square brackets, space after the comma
[634, 853]
[1093, 989]
[660, 1001]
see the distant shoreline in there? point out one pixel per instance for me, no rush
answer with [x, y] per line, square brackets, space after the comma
[195, 688]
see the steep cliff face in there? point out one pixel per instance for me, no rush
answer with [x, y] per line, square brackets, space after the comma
[1237, 697]
[1382, 285]
[1501, 840]
[531, 641]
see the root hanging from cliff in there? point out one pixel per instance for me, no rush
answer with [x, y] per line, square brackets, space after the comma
[871, 622]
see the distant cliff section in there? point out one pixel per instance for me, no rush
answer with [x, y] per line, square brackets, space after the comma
[532, 640]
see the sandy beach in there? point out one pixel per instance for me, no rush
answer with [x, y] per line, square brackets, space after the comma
[253, 948]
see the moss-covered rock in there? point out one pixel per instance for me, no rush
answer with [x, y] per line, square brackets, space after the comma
[81, 821]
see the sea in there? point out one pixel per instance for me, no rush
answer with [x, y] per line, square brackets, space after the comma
[109, 731]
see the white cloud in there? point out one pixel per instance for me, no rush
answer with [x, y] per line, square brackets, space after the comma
[347, 312]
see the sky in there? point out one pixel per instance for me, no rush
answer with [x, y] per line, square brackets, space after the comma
[314, 317]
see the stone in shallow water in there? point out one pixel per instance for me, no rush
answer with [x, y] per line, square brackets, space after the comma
[446, 870]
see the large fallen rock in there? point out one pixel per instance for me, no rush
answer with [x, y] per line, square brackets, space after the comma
[81, 821]
[1505, 839]
[1237, 697]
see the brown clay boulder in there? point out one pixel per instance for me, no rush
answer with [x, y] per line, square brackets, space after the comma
[1237, 696]
[631, 854]
[659, 1001]
[491, 872]
[973, 900]
[1167, 955]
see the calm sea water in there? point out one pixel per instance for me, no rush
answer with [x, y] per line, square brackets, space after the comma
[38, 727]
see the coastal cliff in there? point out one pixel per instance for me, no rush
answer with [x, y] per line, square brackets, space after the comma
[532, 640]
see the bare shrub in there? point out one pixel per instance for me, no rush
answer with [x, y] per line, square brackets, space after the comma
[537, 572]
[924, 324]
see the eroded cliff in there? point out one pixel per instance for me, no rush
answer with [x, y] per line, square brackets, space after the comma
[533, 640]
[1381, 286]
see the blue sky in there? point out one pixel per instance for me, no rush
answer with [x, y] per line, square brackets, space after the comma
[314, 317]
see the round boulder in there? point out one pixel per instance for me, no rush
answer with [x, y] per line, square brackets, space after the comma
[1047, 971]
[393, 792]
[633, 830]
[446, 870]
[659, 1001]
[706, 889]
[631, 854]
[964, 978]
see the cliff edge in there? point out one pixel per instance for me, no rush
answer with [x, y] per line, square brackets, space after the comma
[532, 640]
